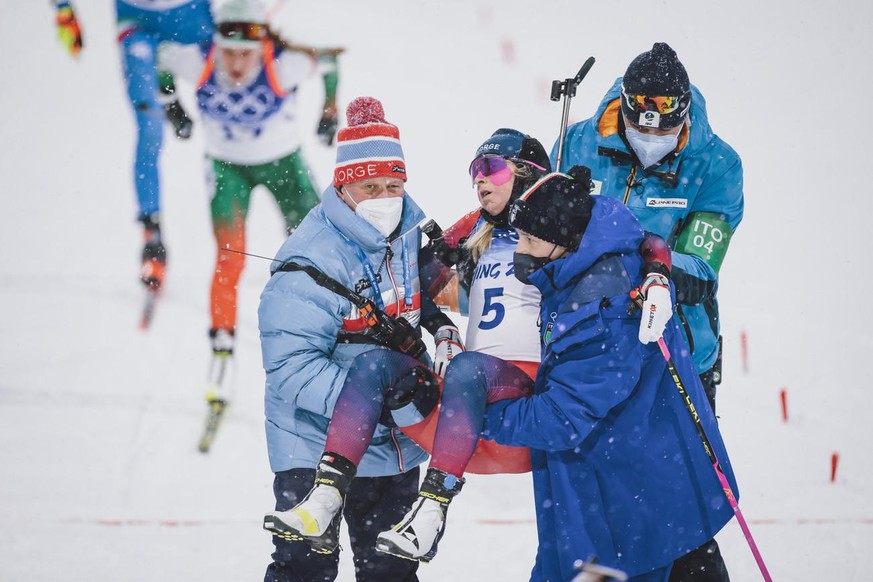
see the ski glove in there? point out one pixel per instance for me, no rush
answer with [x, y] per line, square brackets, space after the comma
[657, 305]
[448, 345]
[411, 398]
[327, 128]
[69, 32]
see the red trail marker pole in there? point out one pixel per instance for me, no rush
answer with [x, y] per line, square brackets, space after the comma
[783, 397]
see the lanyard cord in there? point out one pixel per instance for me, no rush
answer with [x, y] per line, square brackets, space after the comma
[371, 275]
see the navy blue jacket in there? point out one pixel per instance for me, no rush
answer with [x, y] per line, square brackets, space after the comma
[619, 470]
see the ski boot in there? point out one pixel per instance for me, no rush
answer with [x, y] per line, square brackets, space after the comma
[417, 534]
[154, 255]
[316, 519]
[222, 341]
[222, 354]
[217, 384]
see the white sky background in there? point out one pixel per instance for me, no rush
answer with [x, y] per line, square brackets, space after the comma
[99, 474]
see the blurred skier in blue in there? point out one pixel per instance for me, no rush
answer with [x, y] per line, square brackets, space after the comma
[142, 26]
[650, 145]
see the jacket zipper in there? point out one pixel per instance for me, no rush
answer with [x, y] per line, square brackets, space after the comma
[389, 253]
[400, 466]
[390, 273]
[630, 181]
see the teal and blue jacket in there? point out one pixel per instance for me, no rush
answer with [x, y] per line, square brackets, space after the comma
[693, 199]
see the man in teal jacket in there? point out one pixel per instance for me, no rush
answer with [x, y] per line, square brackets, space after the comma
[650, 145]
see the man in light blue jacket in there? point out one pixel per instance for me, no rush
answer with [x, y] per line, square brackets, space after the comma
[365, 236]
[650, 145]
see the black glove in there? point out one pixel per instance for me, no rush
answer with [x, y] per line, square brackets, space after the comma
[327, 129]
[411, 398]
[182, 124]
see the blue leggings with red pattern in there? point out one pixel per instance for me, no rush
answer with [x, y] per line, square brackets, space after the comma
[472, 381]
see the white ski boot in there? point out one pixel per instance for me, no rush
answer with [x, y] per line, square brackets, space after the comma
[316, 519]
[418, 533]
[219, 384]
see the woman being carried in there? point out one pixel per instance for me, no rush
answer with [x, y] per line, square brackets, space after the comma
[394, 389]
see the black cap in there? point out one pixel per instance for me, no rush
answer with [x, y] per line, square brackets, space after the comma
[556, 208]
[656, 73]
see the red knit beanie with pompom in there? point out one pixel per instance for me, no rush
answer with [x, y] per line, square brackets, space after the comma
[369, 147]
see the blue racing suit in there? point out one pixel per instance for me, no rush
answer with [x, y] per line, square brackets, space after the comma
[142, 26]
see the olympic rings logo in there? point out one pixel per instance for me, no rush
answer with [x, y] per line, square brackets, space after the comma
[250, 106]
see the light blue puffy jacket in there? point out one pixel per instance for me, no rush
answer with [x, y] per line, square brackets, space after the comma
[299, 322]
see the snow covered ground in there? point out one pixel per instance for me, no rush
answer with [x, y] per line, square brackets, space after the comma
[100, 478]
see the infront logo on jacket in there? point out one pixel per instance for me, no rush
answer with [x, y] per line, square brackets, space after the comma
[667, 202]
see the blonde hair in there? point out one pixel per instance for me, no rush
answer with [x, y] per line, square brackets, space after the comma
[480, 241]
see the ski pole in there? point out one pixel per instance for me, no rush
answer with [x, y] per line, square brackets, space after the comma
[567, 89]
[728, 492]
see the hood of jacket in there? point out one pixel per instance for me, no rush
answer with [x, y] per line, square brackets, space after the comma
[612, 229]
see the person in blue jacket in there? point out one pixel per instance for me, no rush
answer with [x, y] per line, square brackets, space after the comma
[365, 236]
[619, 471]
[143, 25]
[650, 145]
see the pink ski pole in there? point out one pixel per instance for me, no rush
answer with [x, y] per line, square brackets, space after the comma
[728, 492]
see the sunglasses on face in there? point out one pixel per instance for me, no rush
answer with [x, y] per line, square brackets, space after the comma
[496, 168]
[242, 30]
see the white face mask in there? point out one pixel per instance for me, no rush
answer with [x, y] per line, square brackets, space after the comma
[383, 213]
[648, 147]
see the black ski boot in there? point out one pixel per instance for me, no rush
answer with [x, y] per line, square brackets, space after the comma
[154, 255]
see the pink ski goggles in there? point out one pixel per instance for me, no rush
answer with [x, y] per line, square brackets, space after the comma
[496, 169]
